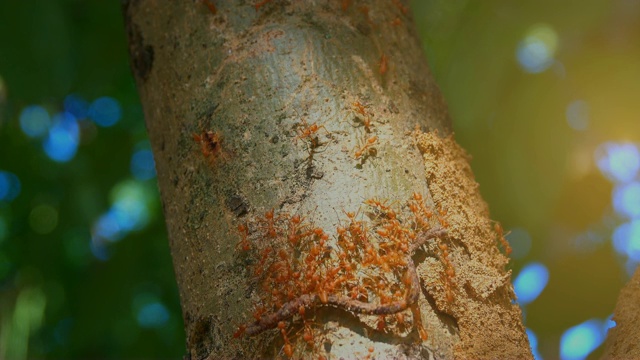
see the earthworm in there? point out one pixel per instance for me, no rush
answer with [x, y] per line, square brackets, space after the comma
[292, 307]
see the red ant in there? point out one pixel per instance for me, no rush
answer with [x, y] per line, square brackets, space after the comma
[210, 5]
[501, 237]
[244, 244]
[309, 132]
[366, 115]
[259, 4]
[210, 144]
[403, 9]
[383, 64]
[368, 145]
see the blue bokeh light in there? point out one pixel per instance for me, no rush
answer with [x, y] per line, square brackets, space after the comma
[108, 226]
[626, 240]
[626, 200]
[99, 248]
[530, 282]
[579, 341]
[9, 186]
[131, 203]
[609, 323]
[152, 315]
[143, 166]
[534, 57]
[130, 211]
[34, 121]
[520, 242]
[536, 51]
[76, 106]
[63, 139]
[578, 115]
[105, 111]
[619, 162]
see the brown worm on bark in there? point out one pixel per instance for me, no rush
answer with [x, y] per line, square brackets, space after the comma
[292, 307]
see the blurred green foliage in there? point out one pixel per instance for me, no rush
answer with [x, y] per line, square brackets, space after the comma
[58, 299]
[63, 294]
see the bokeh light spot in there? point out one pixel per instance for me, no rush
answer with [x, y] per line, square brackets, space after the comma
[34, 121]
[530, 282]
[99, 248]
[536, 50]
[76, 106]
[107, 227]
[105, 111]
[131, 201]
[626, 200]
[153, 315]
[626, 240]
[577, 114]
[142, 165]
[619, 162]
[609, 323]
[130, 211]
[43, 219]
[9, 186]
[579, 341]
[520, 242]
[149, 310]
[62, 141]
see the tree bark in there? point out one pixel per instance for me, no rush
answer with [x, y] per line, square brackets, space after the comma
[259, 113]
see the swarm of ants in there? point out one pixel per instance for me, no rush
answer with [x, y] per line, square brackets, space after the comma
[365, 267]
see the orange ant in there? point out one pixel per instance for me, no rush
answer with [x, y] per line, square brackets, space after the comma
[403, 9]
[287, 348]
[244, 243]
[310, 132]
[367, 146]
[209, 143]
[240, 331]
[417, 316]
[366, 115]
[501, 237]
[210, 5]
[383, 64]
[381, 207]
[259, 4]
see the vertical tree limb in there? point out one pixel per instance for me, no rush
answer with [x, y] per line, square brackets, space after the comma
[231, 98]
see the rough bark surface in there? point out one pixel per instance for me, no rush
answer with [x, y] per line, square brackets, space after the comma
[257, 78]
[623, 340]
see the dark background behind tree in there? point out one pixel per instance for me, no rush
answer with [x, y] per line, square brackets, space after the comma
[544, 96]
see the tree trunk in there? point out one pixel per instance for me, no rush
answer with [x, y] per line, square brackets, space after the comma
[304, 154]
